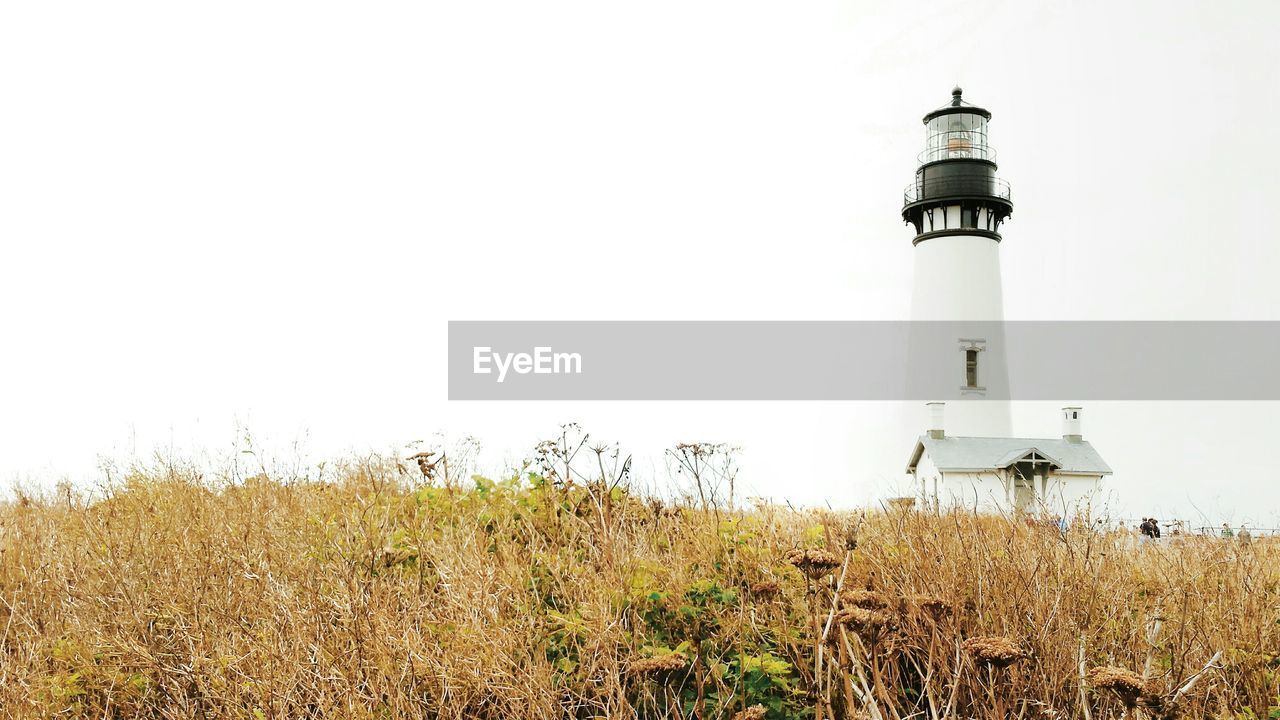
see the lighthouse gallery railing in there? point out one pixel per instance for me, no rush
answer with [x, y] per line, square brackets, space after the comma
[958, 186]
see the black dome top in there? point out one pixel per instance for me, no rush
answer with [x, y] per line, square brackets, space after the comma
[957, 105]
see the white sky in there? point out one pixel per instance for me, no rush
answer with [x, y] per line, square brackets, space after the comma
[261, 214]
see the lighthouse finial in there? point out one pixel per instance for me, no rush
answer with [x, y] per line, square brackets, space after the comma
[955, 95]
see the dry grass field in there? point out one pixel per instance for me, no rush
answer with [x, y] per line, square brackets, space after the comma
[392, 589]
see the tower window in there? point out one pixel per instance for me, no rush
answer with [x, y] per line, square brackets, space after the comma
[968, 218]
[971, 347]
[971, 368]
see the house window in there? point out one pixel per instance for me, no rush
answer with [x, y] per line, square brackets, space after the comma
[971, 368]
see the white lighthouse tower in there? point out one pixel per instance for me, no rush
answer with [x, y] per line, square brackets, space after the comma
[956, 205]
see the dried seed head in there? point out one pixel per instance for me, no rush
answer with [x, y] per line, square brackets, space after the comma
[755, 712]
[765, 589]
[934, 607]
[425, 464]
[1126, 684]
[995, 651]
[814, 563]
[869, 624]
[660, 665]
[868, 599]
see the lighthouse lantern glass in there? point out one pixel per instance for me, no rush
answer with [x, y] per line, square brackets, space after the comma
[957, 135]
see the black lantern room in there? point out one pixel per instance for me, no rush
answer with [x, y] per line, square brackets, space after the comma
[956, 191]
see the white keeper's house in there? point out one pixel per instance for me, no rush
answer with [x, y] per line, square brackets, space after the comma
[1056, 476]
[957, 207]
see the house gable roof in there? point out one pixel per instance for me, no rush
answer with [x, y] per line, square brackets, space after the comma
[952, 454]
[1021, 454]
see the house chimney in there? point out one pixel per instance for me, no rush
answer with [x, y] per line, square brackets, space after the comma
[935, 420]
[1071, 424]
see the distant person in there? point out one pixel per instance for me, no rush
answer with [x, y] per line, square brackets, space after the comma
[1226, 531]
[1155, 529]
[1244, 535]
[1147, 528]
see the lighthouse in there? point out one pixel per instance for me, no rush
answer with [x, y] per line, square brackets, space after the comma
[957, 206]
[968, 456]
